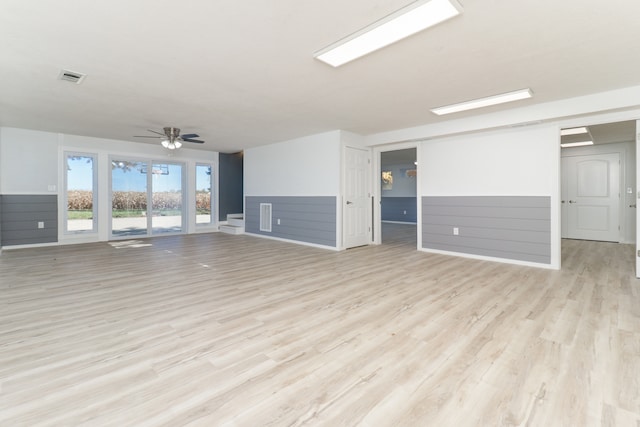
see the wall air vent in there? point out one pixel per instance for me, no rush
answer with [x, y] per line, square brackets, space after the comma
[71, 76]
[265, 217]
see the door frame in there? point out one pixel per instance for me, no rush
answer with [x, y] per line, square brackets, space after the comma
[598, 119]
[377, 189]
[637, 198]
[149, 216]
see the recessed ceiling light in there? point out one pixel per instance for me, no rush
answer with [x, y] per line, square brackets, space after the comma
[574, 131]
[484, 102]
[576, 144]
[407, 21]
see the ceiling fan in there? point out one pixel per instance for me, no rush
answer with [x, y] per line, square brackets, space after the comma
[171, 137]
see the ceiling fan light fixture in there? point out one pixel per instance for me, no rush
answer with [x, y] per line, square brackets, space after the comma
[165, 143]
[177, 144]
[403, 23]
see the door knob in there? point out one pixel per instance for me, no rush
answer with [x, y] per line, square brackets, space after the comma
[572, 201]
[632, 206]
[349, 203]
[562, 201]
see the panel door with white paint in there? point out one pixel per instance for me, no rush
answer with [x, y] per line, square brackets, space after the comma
[591, 197]
[356, 204]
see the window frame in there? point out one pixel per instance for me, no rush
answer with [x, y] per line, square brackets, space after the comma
[149, 163]
[94, 184]
[211, 195]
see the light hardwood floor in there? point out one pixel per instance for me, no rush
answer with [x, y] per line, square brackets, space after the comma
[214, 329]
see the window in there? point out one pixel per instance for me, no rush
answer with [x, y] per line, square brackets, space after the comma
[166, 206]
[204, 184]
[146, 197]
[80, 195]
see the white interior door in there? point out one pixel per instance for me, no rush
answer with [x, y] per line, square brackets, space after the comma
[591, 205]
[356, 206]
[637, 197]
[564, 211]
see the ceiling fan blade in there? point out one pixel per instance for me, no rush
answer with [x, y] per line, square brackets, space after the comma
[159, 133]
[145, 136]
[193, 140]
[189, 135]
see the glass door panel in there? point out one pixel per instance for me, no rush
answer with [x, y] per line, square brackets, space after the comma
[128, 198]
[203, 194]
[166, 209]
[80, 195]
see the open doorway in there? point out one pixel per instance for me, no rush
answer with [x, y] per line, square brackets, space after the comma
[398, 197]
[598, 183]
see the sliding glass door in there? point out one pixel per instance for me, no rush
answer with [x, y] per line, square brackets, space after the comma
[166, 198]
[146, 198]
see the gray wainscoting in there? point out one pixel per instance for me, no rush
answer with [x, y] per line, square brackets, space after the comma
[304, 219]
[402, 209]
[20, 216]
[510, 227]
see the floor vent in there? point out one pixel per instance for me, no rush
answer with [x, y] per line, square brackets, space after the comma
[265, 217]
[71, 76]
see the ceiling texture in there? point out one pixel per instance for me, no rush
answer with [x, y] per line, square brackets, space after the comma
[242, 74]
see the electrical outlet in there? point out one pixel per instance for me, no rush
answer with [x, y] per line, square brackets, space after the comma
[278, 221]
[40, 224]
[456, 231]
[405, 212]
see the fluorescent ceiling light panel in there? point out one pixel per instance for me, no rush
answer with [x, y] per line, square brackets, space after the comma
[484, 102]
[574, 131]
[407, 21]
[576, 144]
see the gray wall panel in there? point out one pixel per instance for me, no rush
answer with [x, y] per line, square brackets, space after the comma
[543, 259]
[304, 219]
[20, 215]
[394, 208]
[488, 211]
[510, 201]
[492, 223]
[512, 227]
[491, 233]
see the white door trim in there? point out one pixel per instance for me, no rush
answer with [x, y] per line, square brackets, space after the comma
[377, 190]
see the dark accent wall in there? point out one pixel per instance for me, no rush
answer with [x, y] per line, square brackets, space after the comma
[304, 219]
[230, 184]
[510, 227]
[20, 216]
[402, 209]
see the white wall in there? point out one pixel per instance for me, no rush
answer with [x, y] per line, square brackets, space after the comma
[308, 166]
[521, 161]
[28, 161]
[352, 139]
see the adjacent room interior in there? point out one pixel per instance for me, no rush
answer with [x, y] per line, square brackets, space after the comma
[399, 213]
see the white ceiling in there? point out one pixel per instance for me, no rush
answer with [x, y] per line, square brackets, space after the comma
[242, 74]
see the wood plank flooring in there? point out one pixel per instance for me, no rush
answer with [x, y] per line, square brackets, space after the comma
[221, 330]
